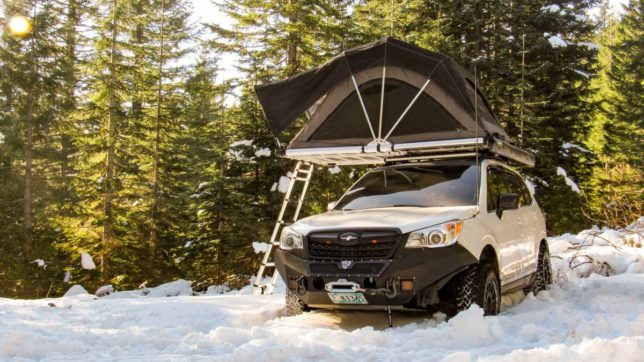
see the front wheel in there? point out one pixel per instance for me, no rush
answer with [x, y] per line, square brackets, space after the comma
[294, 305]
[480, 285]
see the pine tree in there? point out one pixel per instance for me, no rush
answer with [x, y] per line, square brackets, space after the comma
[274, 39]
[616, 137]
[34, 71]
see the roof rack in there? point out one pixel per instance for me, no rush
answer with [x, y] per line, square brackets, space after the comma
[383, 153]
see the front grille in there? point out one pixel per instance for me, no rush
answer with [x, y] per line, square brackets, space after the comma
[357, 268]
[368, 245]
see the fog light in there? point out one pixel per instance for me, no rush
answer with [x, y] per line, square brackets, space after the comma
[407, 285]
[292, 284]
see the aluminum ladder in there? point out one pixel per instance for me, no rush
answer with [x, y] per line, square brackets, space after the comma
[302, 173]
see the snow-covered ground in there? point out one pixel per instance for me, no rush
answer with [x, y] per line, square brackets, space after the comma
[595, 312]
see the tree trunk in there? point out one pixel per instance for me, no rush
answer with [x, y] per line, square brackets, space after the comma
[111, 140]
[29, 144]
[70, 80]
[157, 144]
[27, 206]
[291, 48]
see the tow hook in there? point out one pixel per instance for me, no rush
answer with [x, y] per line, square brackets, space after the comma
[301, 286]
[390, 291]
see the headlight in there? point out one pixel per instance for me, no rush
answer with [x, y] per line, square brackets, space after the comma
[290, 239]
[435, 236]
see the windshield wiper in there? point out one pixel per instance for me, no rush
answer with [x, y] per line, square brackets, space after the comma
[404, 205]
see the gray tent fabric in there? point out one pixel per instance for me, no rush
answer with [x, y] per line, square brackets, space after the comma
[425, 96]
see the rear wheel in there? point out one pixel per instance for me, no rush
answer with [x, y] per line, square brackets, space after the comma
[543, 276]
[294, 305]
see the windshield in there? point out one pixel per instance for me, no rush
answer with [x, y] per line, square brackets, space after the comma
[419, 186]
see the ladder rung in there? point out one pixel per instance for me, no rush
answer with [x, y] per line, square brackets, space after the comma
[270, 264]
[298, 178]
[276, 243]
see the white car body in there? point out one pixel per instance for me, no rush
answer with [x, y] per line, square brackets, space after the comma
[515, 236]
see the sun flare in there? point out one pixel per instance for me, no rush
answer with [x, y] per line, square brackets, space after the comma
[19, 25]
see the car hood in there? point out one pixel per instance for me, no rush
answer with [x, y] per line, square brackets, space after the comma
[405, 219]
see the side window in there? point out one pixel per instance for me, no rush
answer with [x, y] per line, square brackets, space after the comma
[495, 187]
[517, 186]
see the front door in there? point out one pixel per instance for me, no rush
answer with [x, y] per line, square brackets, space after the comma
[507, 230]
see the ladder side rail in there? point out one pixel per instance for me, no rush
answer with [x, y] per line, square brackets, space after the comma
[300, 200]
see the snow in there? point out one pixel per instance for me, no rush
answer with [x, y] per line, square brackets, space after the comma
[582, 73]
[554, 8]
[586, 317]
[589, 45]
[568, 145]
[1, 137]
[556, 41]
[573, 186]
[263, 152]
[41, 263]
[260, 247]
[241, 143]
[531, 187]
[87, 262]
[172, 289]
[283, 182]
[68, 276]
[235, 150]
[76, 290]
[104, 290]
[334, 170]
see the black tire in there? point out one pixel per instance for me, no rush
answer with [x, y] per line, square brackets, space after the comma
[480, 285]
[294, 305]
[488, 293]
[465, 289]
[543, 275]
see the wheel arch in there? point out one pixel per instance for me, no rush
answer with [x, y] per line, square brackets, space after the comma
[489, 255]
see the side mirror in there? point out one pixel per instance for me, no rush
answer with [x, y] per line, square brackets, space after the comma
[331, 205]
[507, 201]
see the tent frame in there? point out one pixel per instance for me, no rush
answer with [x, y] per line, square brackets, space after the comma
[378, 154]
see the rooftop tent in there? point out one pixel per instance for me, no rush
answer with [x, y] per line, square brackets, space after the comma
[380, 98]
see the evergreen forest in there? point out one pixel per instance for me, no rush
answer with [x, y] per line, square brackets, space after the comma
[121, 139]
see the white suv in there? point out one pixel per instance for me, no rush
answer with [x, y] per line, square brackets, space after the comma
[419, 236]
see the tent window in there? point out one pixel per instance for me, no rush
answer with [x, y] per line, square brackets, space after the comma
[348, 121]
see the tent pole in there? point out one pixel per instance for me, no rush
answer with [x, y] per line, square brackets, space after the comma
[382, 101]
[476, 134]
[422, 89]
[364, 109]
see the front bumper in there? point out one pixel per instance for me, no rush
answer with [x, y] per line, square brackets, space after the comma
[428, 269]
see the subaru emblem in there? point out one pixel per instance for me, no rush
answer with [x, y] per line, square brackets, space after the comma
[346, 264]
[349, 238]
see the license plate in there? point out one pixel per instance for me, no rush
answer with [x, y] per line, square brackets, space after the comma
[347, 298]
